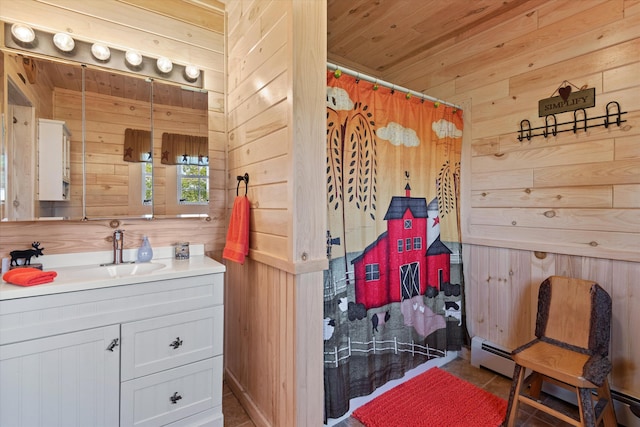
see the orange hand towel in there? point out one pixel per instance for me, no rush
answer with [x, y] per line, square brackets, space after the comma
[28, 276]
[237, 246]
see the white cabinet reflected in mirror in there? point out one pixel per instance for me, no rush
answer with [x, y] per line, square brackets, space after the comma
[117, 160]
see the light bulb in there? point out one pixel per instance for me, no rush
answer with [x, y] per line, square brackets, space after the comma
[164, 65]
[23, 33]
[64, 42]
[100, 52]
[191, 72]
[133, 58]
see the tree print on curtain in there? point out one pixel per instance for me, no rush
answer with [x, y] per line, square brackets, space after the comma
[393, 290]
[357, 132]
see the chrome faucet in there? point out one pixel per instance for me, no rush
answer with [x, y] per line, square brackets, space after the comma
[118, 246]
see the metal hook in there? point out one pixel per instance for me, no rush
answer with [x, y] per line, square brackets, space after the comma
[554, 132]
[606, 120]
[244, 178]
[575, 119]
[524, 132]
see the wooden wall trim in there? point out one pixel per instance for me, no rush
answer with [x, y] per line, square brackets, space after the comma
[252, 409]
[308, 107]
[542, 245]
[299, 267]
[309, 349]
[465, 158]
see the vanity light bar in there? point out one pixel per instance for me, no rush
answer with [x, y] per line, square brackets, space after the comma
[63, 45]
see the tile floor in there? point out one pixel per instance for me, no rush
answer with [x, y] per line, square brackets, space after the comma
[234, 413]
[235, 416]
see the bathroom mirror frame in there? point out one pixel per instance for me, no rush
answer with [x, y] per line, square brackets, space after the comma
[161, 175]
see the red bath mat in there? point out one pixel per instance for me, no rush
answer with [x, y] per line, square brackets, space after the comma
[433, 399]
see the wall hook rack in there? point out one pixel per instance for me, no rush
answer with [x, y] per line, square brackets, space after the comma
[580, 122]
[244, 178]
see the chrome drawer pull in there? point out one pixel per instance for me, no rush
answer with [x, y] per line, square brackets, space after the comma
[174, 399]
[177, 343]
[114, 344]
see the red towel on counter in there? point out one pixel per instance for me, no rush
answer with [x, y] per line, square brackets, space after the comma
[28, 276]
[237, 246]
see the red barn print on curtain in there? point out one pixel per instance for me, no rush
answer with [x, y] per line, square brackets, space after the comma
[393, 290]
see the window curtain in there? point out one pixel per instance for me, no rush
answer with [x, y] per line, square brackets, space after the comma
[393, 292]
[137, 145]
[184, 149]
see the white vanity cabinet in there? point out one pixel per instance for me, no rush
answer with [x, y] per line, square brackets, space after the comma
[142, 354]
[54, 166]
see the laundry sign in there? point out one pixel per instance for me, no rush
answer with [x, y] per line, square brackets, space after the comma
[567, 101]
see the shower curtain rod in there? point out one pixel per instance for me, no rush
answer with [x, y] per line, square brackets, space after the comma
[359, 75]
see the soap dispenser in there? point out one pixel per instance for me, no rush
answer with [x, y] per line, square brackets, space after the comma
[145, 253]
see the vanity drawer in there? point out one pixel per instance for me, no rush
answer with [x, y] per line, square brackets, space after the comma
[157, 344]
[172, 395]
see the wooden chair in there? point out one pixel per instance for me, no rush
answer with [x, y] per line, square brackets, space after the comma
[572, 329]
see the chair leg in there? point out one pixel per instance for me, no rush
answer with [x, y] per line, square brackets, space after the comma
[609, 416]
[512, 405]
[585, 405]
[536, 385]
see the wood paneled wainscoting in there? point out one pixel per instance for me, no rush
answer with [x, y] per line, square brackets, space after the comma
[271, 327]
[502, 294]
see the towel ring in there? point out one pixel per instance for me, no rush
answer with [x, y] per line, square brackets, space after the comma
[244, 178]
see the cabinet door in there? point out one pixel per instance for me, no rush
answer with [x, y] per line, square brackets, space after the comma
[53, 160]
[64, 380]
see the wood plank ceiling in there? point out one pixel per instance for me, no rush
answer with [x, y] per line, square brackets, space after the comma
[383, 37]
[376, 37]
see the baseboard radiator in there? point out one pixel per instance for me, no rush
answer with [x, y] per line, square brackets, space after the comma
[498, 359]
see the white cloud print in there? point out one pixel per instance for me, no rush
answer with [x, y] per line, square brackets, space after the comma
[338, 99]
[444, 128]
[399, 135]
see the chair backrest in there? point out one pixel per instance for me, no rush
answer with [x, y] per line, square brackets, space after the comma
[576, 313]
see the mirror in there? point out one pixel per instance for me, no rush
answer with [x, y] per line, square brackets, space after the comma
[99, 173]
[114, 178]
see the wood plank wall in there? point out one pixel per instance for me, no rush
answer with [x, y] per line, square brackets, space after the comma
[572, 200]
[187, 32]
[574, 193]
[276, 88]
[24, 191]
[502, 295]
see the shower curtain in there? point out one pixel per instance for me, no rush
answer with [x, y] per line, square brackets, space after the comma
[393, 290]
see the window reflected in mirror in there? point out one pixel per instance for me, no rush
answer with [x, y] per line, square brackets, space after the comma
[193, 184]
[181, 153]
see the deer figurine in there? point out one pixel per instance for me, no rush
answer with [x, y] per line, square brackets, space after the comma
[26, 254]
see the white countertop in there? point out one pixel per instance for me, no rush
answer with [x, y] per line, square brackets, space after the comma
[78, 272]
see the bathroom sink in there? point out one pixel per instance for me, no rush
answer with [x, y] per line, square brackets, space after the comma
[135, 269]
[112, 271]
